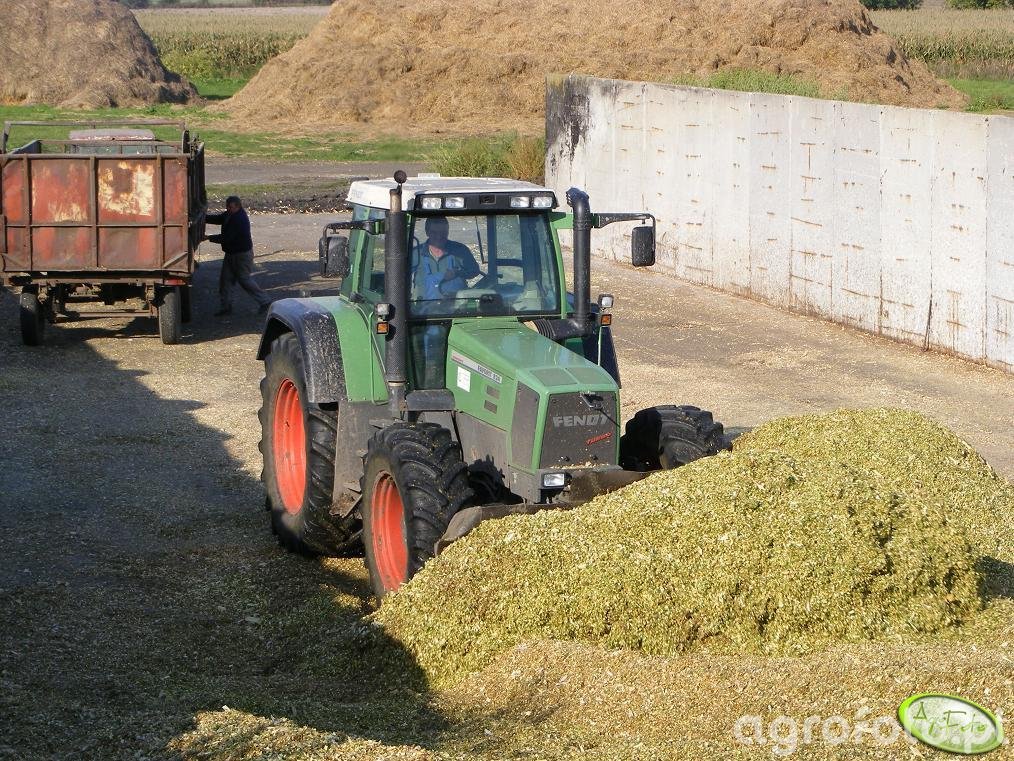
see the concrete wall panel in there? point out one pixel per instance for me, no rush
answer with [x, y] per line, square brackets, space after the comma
[1000, 242]
[811, 192]
[694, 155]
[856, 223]
[730, 191]
[770, 198]
[958, 246]
[908, 146]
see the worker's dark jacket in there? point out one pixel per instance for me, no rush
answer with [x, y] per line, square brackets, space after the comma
[235, 236]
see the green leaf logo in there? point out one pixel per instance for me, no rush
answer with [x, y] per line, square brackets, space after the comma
[951, 723]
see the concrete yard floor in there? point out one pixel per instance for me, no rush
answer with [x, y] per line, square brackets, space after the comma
[139, 583]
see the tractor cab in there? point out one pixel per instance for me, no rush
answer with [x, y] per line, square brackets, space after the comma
[475, 248]
[452, 378]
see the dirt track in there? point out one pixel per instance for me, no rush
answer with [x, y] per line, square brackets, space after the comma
[138, 581]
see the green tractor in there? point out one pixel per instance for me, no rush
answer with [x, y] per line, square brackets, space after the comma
[453, 378]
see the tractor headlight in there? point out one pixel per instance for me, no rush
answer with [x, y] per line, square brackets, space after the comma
[554, 480]
[542, 202]
[520, 202]
[431, 203]
[454, 202]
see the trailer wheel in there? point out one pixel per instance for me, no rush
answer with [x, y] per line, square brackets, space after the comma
[298, 441]
[414, 481]
[185, 304]
[33, 319]
[662, 438]
[170, 316]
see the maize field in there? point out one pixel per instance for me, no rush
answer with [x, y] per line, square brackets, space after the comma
[956, 43]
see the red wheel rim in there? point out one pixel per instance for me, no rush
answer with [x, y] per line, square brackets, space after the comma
[387, 522]
[288, 444]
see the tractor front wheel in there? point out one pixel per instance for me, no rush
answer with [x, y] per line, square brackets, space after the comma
[662, 438]
[298, 441]
[414, 481]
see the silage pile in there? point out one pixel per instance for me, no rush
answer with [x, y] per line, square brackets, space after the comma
[819, 530]
[81, 54]
[433, 63]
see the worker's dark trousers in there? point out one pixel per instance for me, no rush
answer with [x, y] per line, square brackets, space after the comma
[236, 268]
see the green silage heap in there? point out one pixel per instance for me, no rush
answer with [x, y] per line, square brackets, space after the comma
[814, 530]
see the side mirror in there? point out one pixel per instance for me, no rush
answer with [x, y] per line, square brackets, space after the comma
[333, 251]
[642, 246]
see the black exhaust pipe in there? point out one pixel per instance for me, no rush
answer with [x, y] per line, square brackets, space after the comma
[396, 294]
[577, 199]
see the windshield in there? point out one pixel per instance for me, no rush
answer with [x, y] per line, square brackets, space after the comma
[496, 264]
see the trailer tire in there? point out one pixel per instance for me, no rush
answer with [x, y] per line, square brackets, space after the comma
[170, 316]
[298, 442]
[186, 312]
[33, 319]
[663, 438]
[414, 481]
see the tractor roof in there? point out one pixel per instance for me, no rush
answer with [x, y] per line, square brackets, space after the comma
[377, 193]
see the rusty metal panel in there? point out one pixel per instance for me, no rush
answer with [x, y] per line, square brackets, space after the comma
[176, 250]
[129, 248]
[174, 193]
[61, 248]
[12, 185]
[60, 190]
[127, 191]
[15, 258]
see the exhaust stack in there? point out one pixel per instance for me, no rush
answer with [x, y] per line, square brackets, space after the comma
[396, 294]
[577, 199]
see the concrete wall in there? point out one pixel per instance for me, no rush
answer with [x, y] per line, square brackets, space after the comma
[896, 221]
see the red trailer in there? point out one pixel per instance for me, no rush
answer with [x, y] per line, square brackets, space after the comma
[110, 214]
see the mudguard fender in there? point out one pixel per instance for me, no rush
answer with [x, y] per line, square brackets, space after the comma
[315, 327]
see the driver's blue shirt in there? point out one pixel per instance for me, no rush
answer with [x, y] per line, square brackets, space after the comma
[428, 272]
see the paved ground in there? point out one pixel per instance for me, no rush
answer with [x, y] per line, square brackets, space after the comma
[137, 574]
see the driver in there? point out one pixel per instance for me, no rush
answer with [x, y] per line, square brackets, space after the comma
[440, 266]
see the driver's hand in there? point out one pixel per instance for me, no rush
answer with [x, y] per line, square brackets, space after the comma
[450, 274]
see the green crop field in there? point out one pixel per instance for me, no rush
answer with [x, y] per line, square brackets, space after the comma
[221, 140]
[225, 43]
[971, 44]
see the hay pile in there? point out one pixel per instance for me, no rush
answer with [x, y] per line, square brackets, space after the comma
[81, 54]
[484, 63]
[819, 530]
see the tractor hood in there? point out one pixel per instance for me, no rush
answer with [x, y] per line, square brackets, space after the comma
[514, 352]
[549, 406]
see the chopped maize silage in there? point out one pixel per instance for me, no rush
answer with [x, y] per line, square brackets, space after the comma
[815, 530]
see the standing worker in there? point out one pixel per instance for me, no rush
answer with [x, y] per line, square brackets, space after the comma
[237, 264]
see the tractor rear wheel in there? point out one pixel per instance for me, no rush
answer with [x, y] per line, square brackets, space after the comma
[414, 481]
[662, 438]
[298, 441]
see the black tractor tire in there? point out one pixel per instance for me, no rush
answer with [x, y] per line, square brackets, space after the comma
[414, 481]
[662, 438]
[170, 315]
[186, 309]
[33, 319]
[298, 442]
